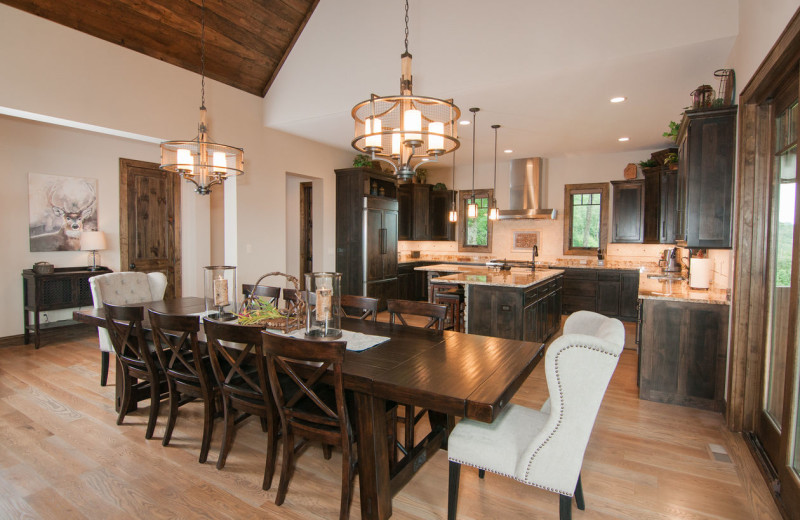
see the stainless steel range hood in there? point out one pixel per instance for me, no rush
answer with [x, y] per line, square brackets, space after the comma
[526, 189]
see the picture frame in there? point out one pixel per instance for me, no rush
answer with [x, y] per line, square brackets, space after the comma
[525, 240]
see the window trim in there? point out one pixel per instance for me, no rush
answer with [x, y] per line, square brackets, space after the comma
[463, 196]
[574, 189]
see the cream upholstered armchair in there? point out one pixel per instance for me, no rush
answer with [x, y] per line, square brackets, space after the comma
[124, 288]
[544, 448]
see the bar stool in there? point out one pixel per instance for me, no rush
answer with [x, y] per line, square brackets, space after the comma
[453, 298]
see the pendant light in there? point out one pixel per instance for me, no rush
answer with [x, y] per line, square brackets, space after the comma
[391, 129]
[453, 215]
[493, 207]
[472, 206]
[202, 161]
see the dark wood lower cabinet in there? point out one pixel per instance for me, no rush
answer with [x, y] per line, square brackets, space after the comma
[611, 292]
[683, 353]
[530, 314]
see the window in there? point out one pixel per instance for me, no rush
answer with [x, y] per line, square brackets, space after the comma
[585, 218]
[475, 234]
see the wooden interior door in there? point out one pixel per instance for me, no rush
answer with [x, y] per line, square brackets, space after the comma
[149, 221]
[306, 232]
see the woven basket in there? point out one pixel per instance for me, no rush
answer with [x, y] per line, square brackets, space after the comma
[293, 315]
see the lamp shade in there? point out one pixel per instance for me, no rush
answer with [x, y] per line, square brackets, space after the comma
[93, 241]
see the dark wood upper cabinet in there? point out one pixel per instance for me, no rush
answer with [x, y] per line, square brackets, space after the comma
[627, 221]
[441, 227]
[707, 144]
[414, 211]
[659, 205]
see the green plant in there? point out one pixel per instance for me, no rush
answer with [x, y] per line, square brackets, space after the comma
[672, 134]
[671, 158]
[422, 175]
[362, 161]
[440, 186]
[649, 163]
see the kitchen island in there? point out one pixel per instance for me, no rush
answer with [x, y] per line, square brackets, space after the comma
[514, 304]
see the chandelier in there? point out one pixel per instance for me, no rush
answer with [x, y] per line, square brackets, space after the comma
[405, 128]
[202, 161]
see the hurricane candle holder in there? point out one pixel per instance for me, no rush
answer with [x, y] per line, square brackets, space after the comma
[323, 320]
[220, 292]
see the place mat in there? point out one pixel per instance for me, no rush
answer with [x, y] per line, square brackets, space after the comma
[356, 341]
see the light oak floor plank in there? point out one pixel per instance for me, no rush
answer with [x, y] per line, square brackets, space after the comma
[64, 457]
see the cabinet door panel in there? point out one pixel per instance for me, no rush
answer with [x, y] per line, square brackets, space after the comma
[373, 239]
[608, 297]
[660, 349]
[390, 243]
[404, 212]
[628, 213]
[628, 295]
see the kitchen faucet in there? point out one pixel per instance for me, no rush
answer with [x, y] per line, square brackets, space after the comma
[535, 253]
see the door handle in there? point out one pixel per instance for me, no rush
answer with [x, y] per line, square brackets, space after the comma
[131, 266]
[383, 236]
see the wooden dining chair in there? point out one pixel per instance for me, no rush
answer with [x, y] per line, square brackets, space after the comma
[272, 294]
[188, 371]
[308, 408]
[400, 309]
[436, 314]
[361, 307]
[136, 361]
[241, 373]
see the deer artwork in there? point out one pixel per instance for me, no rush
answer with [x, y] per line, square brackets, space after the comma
[72, 202]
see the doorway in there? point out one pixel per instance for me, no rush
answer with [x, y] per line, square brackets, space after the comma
[306, 232]
[149, 222]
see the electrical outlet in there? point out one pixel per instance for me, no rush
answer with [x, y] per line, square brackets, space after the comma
[45, 318]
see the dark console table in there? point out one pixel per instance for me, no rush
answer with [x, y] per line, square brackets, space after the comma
[64, 288]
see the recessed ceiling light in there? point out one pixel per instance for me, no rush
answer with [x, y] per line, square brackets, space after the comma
[623, 139]
[508, 151]
[464, 122]
[618, 99]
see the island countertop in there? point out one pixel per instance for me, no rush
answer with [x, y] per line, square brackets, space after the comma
[514, 278]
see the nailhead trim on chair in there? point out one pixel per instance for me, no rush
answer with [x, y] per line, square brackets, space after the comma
[560, 416]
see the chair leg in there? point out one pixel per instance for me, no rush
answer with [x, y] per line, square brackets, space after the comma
[103, 367]
[272, 454]
[579, 495]
[126, 393]
[209, 411]
[452, 490]
[347, 483]
[286, 464]
[172, 416]
[155, 403]
[326, 451]
[227, 433]
[564, 507]
[481, 473]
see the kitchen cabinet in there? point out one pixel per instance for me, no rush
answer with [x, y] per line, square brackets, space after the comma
[682, 353]
[706, 155]
[414, 211]
[611, 292]
[627, 221]
[530, 314]
[660, 184]
[412, 284]
[366, 233]
[441, 227]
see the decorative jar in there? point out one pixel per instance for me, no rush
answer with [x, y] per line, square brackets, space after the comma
[220, 292]
[323, 320]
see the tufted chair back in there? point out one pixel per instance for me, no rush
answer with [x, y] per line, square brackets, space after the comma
[578, 367]
[124, 288]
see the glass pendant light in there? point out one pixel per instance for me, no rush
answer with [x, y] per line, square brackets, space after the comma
[493, 207]
[472, 206]
[453, 215]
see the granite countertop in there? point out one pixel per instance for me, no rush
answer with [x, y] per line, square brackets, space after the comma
[679, 291]
[453, 268]
[522, 278]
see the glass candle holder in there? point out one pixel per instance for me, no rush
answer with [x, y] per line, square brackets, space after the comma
[220, 292]
[323, 305]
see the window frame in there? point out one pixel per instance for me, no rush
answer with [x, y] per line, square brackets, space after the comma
[463, 197]
[601, 188]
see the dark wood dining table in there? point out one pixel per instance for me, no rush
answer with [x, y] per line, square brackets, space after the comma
[451, 374]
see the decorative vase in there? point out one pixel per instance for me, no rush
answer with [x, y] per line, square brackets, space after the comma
[220, 292]
[323, 320]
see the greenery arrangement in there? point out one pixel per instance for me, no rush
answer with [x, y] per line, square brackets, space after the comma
[422, 175]
[649, 163]
[671, 158]
[672, 134]
[260, 311]
[439, 186]
[362, 161]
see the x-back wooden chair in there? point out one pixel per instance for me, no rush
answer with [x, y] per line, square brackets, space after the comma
[361, 307]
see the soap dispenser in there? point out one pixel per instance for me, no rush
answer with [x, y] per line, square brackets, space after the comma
[600, 259]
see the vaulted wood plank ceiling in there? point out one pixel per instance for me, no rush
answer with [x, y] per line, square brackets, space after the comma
[247, 41]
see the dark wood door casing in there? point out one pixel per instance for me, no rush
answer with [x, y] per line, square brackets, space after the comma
[149, 222]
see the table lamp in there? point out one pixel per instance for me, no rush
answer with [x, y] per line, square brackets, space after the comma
[93, 241]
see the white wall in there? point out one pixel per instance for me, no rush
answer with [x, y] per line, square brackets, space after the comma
[55, 71]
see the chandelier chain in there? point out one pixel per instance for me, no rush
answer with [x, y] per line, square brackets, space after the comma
[406, 27]
[203, 54]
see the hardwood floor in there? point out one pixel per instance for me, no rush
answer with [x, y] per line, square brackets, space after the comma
[64, 457]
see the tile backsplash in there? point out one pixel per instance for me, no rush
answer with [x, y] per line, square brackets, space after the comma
[551, 250]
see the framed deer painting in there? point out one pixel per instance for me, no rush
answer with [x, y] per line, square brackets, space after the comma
[60, 208]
